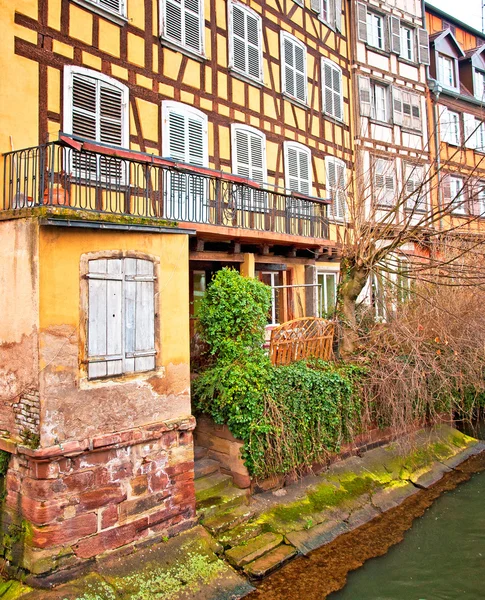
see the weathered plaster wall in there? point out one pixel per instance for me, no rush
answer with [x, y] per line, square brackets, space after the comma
[18, 328]
[73, 407]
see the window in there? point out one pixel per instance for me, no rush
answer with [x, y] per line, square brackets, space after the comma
[182, 22]
[454, 195]
[480, 199]
[333, 101]
[446, 71]
[249, 160]
[384, 182]
[450, 126]
[273, 279]
[406, 109]
[106, 7]
[407, 43]
[414, 188]
[121, 316]
[329, 11]
[479, 84]
[245, 48]
[184, 138]
[293, 67]
[327, 292]
[375, 31]
[374, 99]
[298, 175]
[95, 108]
[380, 110]
[480, 135]
[335, 185]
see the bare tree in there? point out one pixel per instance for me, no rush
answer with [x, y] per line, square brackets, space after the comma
[424, 231]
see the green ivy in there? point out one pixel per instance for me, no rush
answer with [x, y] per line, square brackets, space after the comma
[288, 416]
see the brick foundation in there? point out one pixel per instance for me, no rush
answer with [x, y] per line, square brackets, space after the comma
[70, 503]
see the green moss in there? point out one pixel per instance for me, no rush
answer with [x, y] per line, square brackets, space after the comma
[4, 460]
[187, 576]
[11, 590]
[30, 439]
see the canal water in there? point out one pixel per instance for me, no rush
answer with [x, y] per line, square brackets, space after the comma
[432, 547]
[442, 557]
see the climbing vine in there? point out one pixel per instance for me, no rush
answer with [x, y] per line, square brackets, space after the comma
[288, 417]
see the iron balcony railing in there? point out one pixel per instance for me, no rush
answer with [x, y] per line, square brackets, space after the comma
[84, 176]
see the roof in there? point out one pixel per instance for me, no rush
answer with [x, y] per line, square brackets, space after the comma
[447, 33]
[455, 21]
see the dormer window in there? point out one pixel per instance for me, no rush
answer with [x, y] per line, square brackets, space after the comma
[446, 71]
[479, 85]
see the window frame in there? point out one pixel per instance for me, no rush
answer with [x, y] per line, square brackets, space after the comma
[85, 308]
[446, 134]
[371, 26]
[285, 36]
[335, 214]
[287, 145]
[186, 110]
[440, 60]
[175, 44]
[478, 75]
[457, 197]
[230, 39]
[409, 56]
[118, 17]
[322, 307]
[386, 89]
[388, 174]
[421, 205]
[324, 87]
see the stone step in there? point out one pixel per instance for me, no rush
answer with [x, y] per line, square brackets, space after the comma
[240, 534]
[240, 556]
[211, 485]
[199, 452]
[205, 466]
[228, 498]
[270, 562]
[222, 522]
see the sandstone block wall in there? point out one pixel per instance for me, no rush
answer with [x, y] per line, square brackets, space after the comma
[70, 503]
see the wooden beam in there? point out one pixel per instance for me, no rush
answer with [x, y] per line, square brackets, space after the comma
[217, 256]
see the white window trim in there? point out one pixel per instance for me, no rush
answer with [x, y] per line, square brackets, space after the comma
[287, 36]
[120, 18]
[377, 84]
[445, 129]
[329, 190]
[69, 72]
[405, 27]
[230, 38]
[439, 71]
[477, 75]
[176, 44]
[336, 68]
[370, 30]
[184, 109]
[241, 127]
[322, 289]
[301, 148]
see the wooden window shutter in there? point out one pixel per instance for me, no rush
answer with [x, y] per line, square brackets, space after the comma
[335, 186]
[423, 47]
[249, 155]
[293, 68]
[332, 90]
[384, 182]
[245, 42]
[365, 96]
[183, 23]
[111, 115]
[414, 191]
[297, 168]
[316, 5]
[362, 22]
[105, 331]
[117, 6]
[416, 112]
[288, 67]
[397, 106]
[470, 131]
[254, 46]
[85, 111]
[338, 15]
[238, 45]
[446, 190]
[395, 34]
[139, 315]
[300, 73]
[177, 139]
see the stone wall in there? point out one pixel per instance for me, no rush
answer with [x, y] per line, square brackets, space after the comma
[67, 504]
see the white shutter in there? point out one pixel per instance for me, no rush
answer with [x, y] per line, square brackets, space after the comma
[249, 160]
[84, 107]
[395, 34]
[139, 315]
[332, 90]
[116, 6]
[297, 168]
[335, 186]
[416, 112]
[384, 182]
[362, 22]
[415, 193]
[423, 47]
[183, 23]
[316, 5]
[470, 131]
[246, 53]
[397, 106]
[293, 67]
[105, 295]
[338, 15]
[365, 96]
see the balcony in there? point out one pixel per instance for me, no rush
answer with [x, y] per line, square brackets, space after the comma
[85, 177]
